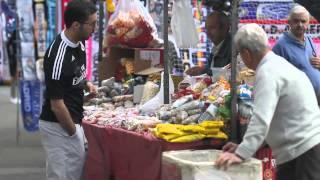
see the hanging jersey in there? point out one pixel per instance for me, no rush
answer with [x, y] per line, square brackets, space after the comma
[65, 74]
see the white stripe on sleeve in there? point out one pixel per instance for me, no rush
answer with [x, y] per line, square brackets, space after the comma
[57, 60]
[60, 63]
[51, 48]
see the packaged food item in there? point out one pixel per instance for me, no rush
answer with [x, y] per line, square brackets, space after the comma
[182, 101]
[188, 138]
[212, 124]
[128, 104]
[191, 119]
[196, 104]
[244, 92]
[194, 111]
[108, 82]
[164, 115]
[209, 114]
[104, 89]
[123, 98]
[181, 115]
[117, 104]
[114, 93]
[199, 87]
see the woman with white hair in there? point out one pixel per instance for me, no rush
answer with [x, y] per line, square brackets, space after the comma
[285, 114]
[296, 47]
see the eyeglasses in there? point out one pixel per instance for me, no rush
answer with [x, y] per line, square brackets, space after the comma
[93, 24]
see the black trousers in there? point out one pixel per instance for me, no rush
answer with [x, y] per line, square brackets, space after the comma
[304, 167]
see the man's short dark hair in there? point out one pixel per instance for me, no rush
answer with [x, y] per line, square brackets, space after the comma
[224, 20]
[78, 10]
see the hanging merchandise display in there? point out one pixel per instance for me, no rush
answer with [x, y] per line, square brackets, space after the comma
[51, 28]
[40, 27]
[31, 102]
[131, 25]
[198, 56]
[26, 21]
[58, 16]
[4, 71]
[92, 50]
[183, 25]
[8, 64]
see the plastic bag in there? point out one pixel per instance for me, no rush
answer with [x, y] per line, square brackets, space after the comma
[149, 91]
[183, 26]
[131, 25]
[153, 104]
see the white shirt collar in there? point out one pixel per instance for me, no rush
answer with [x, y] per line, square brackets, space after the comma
[265, 58]
[66, 40]
[294, 37]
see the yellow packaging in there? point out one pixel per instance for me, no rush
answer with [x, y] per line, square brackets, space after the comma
[219, 135]
[212, 124]
[188, 138]
[192, 129]
[169, 129]
[211, 131]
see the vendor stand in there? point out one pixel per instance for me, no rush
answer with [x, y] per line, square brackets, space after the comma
[119, 153]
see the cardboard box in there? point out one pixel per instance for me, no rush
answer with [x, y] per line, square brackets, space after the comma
[143, 59]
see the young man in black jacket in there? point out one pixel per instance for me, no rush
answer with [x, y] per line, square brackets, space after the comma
[65, 77]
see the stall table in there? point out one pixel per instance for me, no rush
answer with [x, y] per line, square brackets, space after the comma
[114, 153]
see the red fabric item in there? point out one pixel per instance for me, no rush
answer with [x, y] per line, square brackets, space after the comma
[128, 155]
[268, 162]
[96, 165]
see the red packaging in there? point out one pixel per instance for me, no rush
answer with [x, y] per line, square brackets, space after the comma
[268, 162]
[131, 25]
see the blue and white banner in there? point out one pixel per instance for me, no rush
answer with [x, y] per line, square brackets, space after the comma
[40, 27]
[26, 22]
[51, 33]
[264, 10]
[31, 93]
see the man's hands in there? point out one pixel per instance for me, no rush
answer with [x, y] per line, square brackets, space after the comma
[63, 116]
[92, 89]
[228, 157]
[315, 62]
[230, 147]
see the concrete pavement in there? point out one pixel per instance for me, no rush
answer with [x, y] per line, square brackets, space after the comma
[25, 160]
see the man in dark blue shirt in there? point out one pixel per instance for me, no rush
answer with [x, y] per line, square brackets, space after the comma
[298, 48]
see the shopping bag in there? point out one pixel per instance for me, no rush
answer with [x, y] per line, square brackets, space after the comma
[131, 25]
[153, 104]
[183, 25]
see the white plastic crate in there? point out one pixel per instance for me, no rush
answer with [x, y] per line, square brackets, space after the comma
[199, 165]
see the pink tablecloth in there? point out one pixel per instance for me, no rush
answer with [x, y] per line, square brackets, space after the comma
[123, 155]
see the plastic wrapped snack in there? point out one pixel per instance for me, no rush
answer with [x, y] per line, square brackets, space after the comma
[131, 25]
